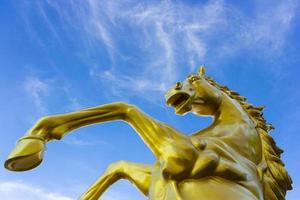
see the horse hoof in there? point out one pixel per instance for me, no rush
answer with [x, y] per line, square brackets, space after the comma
[27, 154]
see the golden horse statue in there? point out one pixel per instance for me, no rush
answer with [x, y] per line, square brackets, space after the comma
[234, 158]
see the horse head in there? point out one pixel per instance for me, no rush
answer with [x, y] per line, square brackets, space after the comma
[196, 95]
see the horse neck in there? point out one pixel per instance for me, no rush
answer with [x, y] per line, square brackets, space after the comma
[230, 111]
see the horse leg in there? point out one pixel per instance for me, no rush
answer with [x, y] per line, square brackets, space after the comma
[138, 174]
[158, 136]
[172, 148]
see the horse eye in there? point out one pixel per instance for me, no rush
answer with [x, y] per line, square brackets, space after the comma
[178, 85]
[193, 78]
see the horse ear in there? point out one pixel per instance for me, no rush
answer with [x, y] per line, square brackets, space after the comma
[201, 71]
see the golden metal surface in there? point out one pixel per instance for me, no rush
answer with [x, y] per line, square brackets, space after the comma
[234, 158]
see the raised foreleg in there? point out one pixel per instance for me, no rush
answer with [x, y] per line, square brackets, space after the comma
[173, 149]
[158, 136]
[138, 174]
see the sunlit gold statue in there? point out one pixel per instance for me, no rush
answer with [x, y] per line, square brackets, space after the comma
[233, 159]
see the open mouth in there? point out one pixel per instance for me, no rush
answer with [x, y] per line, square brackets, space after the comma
[179, 101]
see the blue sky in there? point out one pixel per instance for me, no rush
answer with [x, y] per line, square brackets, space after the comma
[61, 56]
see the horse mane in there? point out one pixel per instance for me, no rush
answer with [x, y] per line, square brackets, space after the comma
[274, 177]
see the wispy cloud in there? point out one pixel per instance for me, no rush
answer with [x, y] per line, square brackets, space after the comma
[122, 83]
[166, 32]
[42, 91]
[268, 30]
[78, 141]
[36, 89]
[73, 102]
[18, 190]
[47, 20]
[98, 28]
[167, 39]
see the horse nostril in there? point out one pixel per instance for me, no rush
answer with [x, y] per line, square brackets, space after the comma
[178, 86]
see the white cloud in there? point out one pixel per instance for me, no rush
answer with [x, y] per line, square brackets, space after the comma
[173, 37]
[166, 32]
[179, 30]
[43, 91]
[18, 190]
[98, 29]
[36, 89]
[47, 20]
[73, 102]
[74, 140]
[267, 31]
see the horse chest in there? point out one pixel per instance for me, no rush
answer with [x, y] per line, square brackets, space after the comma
[204, 188]
[162, 188]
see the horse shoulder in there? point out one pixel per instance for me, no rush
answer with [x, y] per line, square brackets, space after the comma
[244, 140]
